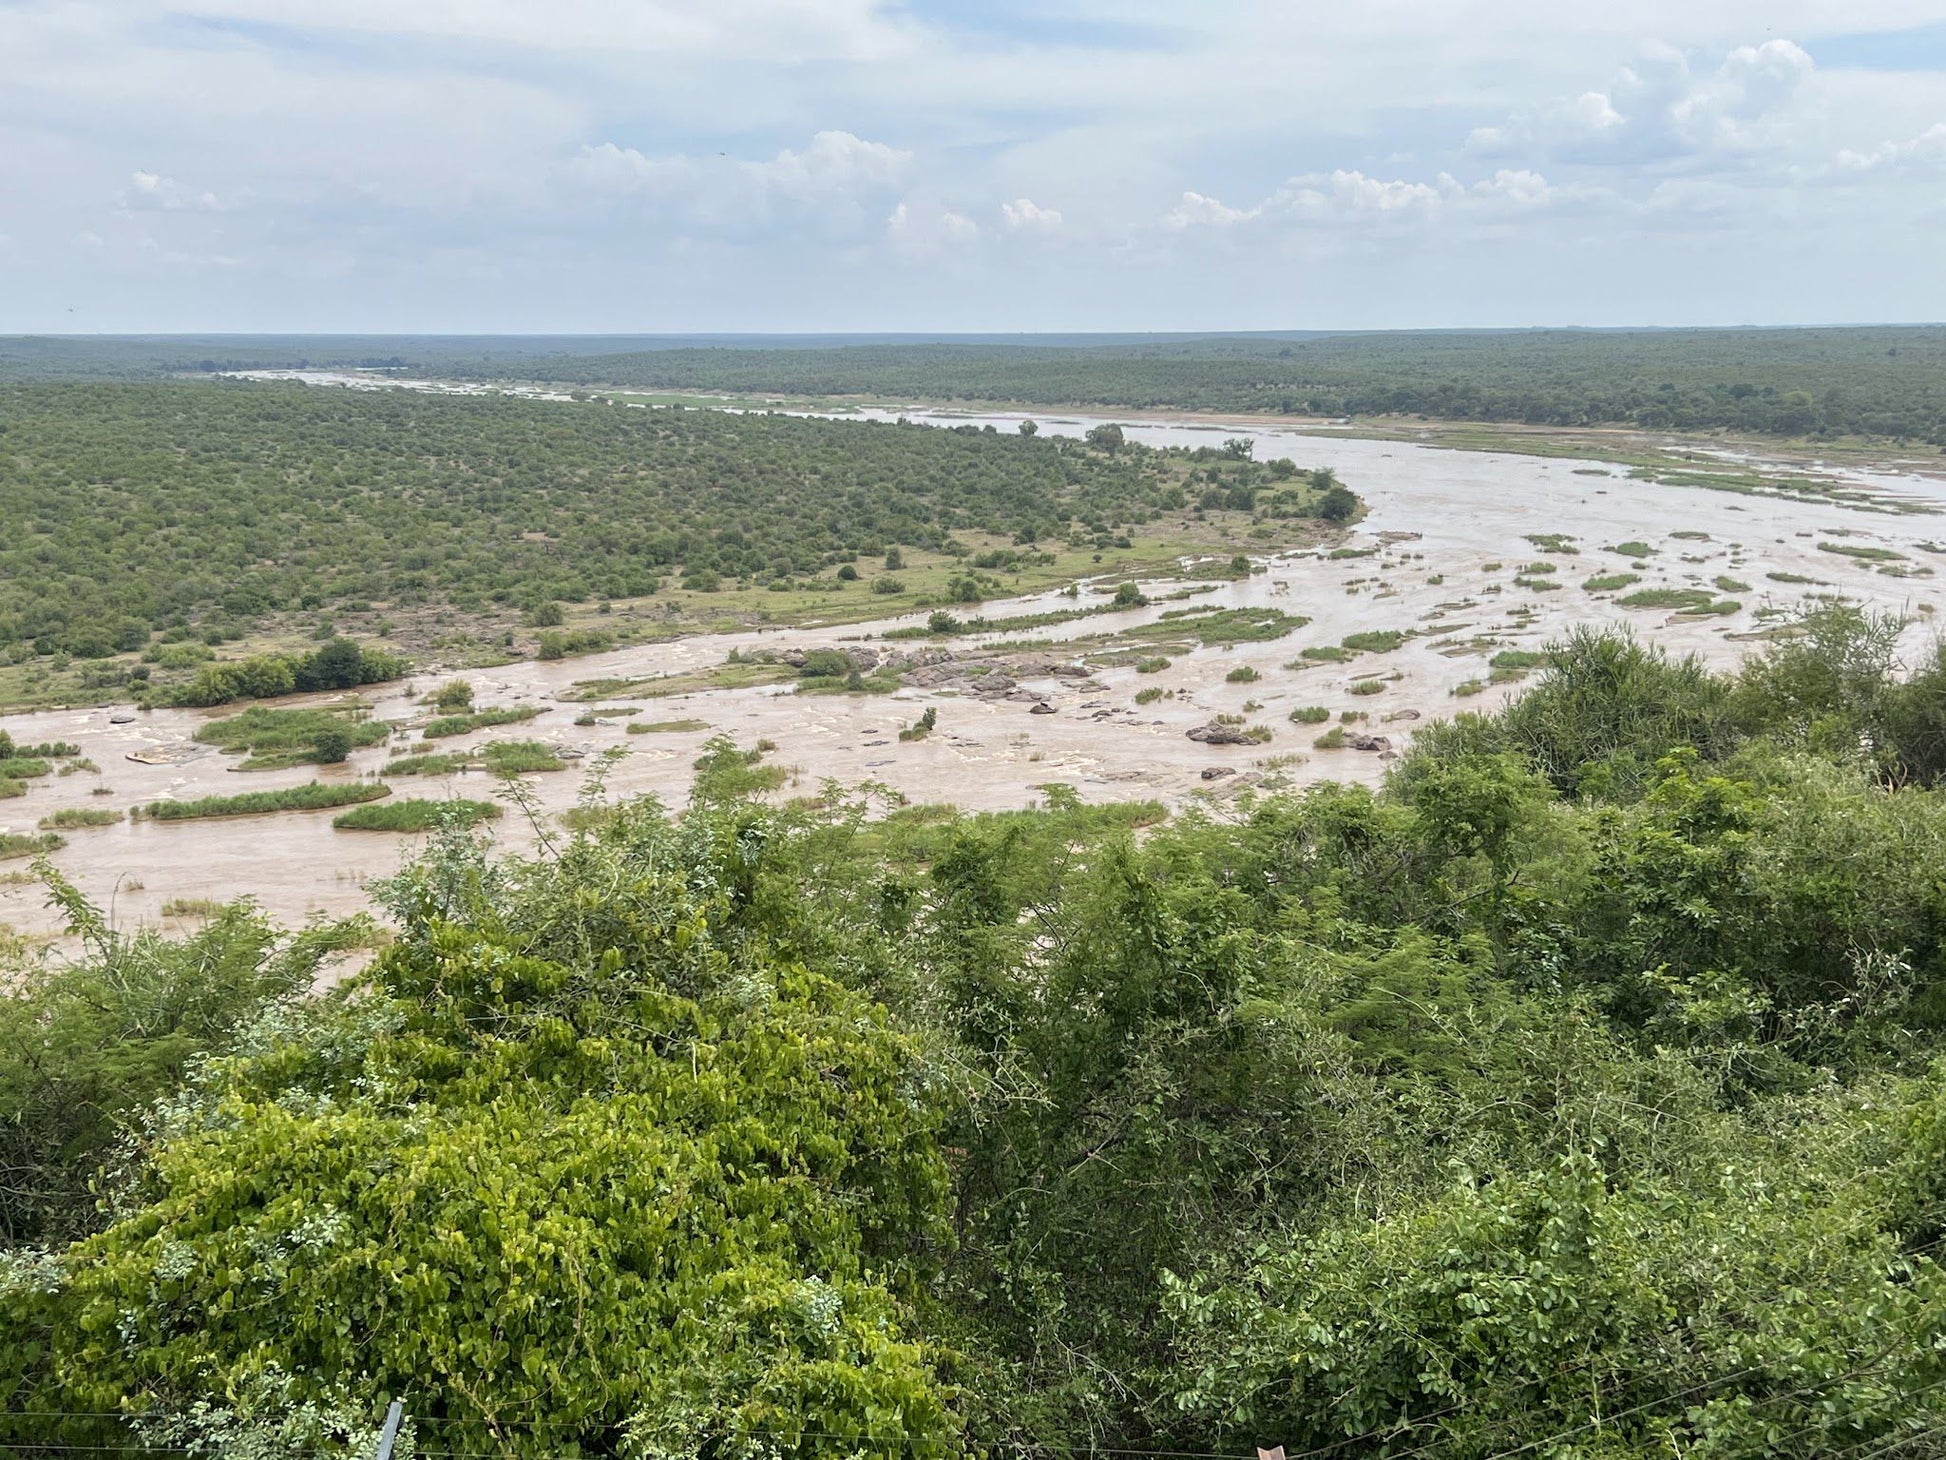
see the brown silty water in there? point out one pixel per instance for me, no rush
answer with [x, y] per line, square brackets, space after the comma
[1438, 518]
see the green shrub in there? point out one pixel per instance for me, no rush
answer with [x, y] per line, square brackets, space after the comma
[1152, 664]
[21, 844]
[69, 818]
[519, 757]
[412, 815]
[1242, 674]
[1310, 715]
[316, 796]
[450, 725]
[1610, 582]
[1374, 641]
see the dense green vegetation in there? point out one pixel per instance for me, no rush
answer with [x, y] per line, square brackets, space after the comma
[1885, 381]
[1577, 1093]
[1792, 382]
[415, 815]
[163, 519]
[312, 796]
[276, 738]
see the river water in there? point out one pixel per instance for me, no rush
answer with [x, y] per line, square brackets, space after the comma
[1450, 529]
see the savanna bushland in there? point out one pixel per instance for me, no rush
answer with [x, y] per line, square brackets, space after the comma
[1574, 1093]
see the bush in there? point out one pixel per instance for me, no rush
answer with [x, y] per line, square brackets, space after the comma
[316, 796]
[447, 726]
[887, 584]
[1242, 674]
[413, 815]
[1310, 715]
[69, 818]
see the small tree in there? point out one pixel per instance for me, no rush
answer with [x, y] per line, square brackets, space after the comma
[1030, 428]
[332, 746]
[1106, 437]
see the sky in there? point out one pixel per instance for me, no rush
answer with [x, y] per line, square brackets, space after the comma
[621, 166]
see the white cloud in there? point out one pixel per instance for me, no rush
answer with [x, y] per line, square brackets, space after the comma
[149, 190]
[1657, 108]
[1926, 149]
[837, 177]
[1024, 215]
[1195, 210]
[927, 229]
[1347, 197]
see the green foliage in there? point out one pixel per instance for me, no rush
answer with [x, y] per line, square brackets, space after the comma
[565, 643]
[518, 757]
[1310, 715]
[1678, 598]
[234, 505]
[278, 738]
[1242, 674]
[70, 817]
[313, 796]
[339, 664]
[631, 1177]
[447, 726]
[416, 815]
[1577, 1090]
[1374, 641]
[1610, 582]
[1151, 664]
[453, 697]
[27, 844]
[84, 1047]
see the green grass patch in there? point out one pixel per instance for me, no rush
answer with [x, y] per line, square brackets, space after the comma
[1325, 654]
[1781, 577]
[1209, 625]
[275, 739]
[1691, 536]
[415, 814]
[70, 817]
[1332, 739]
[1149, 696]
[1868, 554]
[1151, 664]
[430, 764]
[1242, 674]
[1630, 549]
[21, 844]
[1310, 715]
[1726, 584]
[1374, 641]
[667, 727]
[519, 757]
[1610, 582]
[1680, 599]
[1467, 688]
[1367, 687]
[450, 725]
[23, 768]
[315, 796]
[1553, 542]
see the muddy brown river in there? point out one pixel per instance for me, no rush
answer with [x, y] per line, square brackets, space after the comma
[1450, 529]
